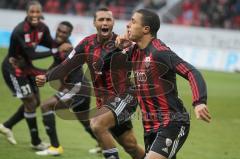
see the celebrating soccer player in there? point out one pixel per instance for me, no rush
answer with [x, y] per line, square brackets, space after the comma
[115, 105]
[19, 72]
[165, 119]
[65, 96]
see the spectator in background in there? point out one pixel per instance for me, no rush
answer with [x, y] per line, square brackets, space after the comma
[52, 6]
[210, 13]
[206, 13]
[151, 4]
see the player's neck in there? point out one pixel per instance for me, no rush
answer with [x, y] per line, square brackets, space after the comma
[144, 41]
[101, 39]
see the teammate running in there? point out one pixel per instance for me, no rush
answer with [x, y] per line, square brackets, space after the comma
[20, 78]
[165, 119]
[115, 104]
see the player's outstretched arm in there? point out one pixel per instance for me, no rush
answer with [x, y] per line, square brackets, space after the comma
[202, 113]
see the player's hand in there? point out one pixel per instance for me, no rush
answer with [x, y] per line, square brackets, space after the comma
[202, 113]
[122, 41]
[65, 47]
[40, 80]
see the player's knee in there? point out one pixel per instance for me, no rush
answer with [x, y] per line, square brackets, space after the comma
[30, 104]
[97, 126]
[45, 108]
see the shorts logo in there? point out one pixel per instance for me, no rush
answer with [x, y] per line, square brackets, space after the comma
[168, 142]
[165, 149]
[116, 100]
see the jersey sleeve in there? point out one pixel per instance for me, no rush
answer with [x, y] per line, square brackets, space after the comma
[189, 72]
[75, 59]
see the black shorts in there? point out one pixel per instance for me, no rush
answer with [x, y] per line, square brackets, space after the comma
[167, 141]
[80, 103]
[118, 130]
[122, 106]
[22, 86]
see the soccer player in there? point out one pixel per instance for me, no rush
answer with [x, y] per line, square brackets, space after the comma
[113, 104]
[20, 79]
[60, 99]
[165, 119]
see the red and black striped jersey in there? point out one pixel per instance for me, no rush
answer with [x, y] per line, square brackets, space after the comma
[155, 69]
[95, 55]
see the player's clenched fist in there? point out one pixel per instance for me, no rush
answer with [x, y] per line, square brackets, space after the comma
[41, 80]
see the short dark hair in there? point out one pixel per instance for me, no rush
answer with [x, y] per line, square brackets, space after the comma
[100, 9]
[34, 2]
[68, 24]
[151, 19]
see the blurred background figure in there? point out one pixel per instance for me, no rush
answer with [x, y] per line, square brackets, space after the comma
[206, 13]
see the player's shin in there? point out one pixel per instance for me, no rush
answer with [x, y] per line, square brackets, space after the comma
[50, 127]
[15, 118]
[32, 125]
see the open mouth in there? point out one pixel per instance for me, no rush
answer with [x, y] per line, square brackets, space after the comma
[105, 30]
[34, 20]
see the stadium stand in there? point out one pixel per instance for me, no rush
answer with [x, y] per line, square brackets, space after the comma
[204, 13]
[210, 13]
[122, 9]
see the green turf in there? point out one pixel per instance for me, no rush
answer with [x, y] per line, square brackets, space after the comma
[218, 140]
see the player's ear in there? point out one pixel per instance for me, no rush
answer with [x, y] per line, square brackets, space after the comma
[146, 29]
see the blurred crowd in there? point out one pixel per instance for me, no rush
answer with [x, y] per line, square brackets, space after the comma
[206, 13]
[210, 13]
[122, 9]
